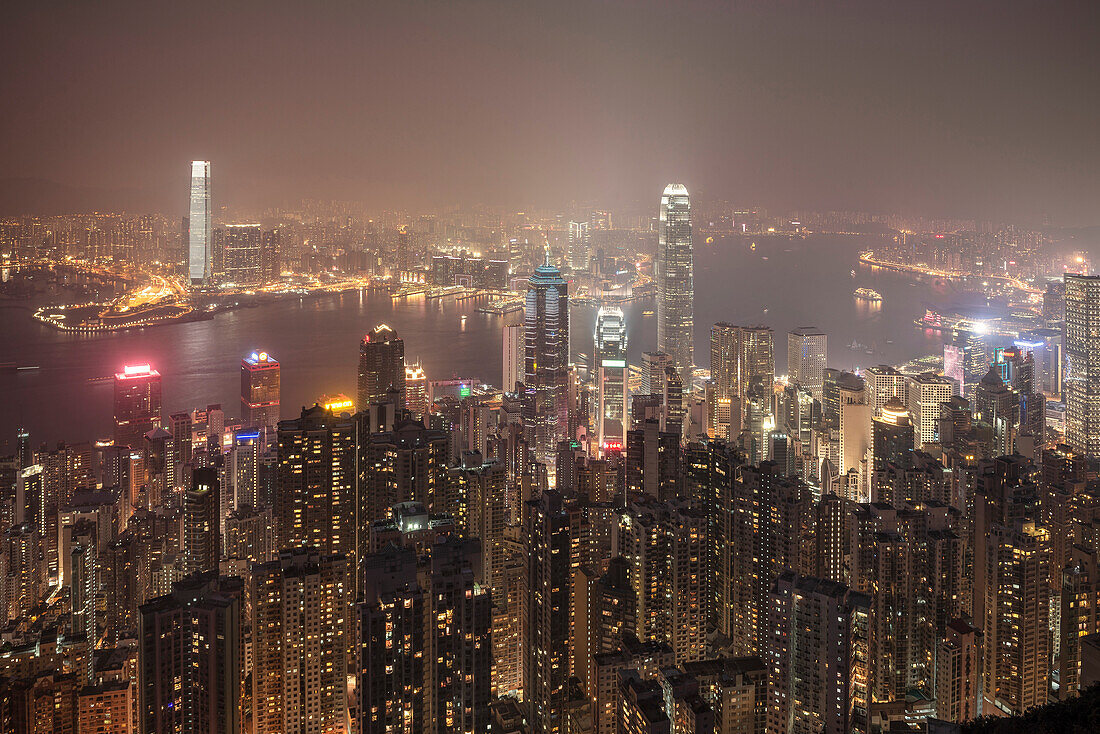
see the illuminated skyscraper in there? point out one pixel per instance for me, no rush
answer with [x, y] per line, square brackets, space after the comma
[137, 404]
[578, 245]
[300, 636]
[925, 394]
[675, 281]
[611, 382]
[243, 260]
[416, 391]
[381, 367]
[806, 349]
[1082, 344]
[546, 371]
[200, 238]
[260, 388]
[201, 539]
[514, 346]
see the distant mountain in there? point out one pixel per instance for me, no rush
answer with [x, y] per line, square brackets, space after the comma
[36, 196]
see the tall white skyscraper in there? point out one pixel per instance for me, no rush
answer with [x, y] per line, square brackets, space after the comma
[200, 240]
[514, 348]
[578, 245]
[925, 394]
[676, 281]
[806, 349]
[611, 383]
[1082, 347]
[546, 360]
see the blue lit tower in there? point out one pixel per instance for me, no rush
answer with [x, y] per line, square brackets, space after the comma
[546, 368]
[200, 240]
[675, 281]
[611, 381]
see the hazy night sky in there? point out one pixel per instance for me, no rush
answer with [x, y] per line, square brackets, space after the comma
[974, 108]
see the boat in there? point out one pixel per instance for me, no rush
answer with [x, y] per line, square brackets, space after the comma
[867, 294]
[853, 273]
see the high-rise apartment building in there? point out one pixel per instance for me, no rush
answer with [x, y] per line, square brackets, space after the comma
[189, 658]
[816, 646]
[1082, 354]
[200, 240]
[201, 513]
[137, 404]
[381, 367]
[806, 357]
[609, 366]
[675, 275]
[261, 378]
[300, 642]
[546, 358]
[883, 382]
[416, 392]
[315, 502]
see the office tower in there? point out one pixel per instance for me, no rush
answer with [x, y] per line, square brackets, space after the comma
[737, 355]
[996, 405]
[300, 642]
[806, 358]
[242, 472]
[676, 281]
[261, 379]
[201, 513]
[381, 367]
[959, 672]
[514, 344]
[1082, 345]
[401, 261]
[1045, 345]
[546, 359]
[609, 354]
[137, 404]
[925, 393]
[315, 482]
[816, 644]
[883, 382]
[579, 241]
[891, 444]
[416, 392]
[1016, 586]
[190, 663]
[200, 240]
[546, 632]
[242, 255]
[855, 430]
[654, 366]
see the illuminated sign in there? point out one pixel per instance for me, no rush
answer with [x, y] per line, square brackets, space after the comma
[335, 405]
[463, 391]
[136, 369]
[614, 363]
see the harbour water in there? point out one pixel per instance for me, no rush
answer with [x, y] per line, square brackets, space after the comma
[782, 283]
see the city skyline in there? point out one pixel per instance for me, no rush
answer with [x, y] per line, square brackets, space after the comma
[587, 368]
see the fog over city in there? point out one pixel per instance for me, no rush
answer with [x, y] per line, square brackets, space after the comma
[984, 109]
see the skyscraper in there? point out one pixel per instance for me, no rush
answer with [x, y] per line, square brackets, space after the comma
[381, 367]
[200, 239]
[300, 636]
[1082, 345]
[242, 258]
[137, 404]
[925, 394]
[675, 281]
[260, 389]
[513, 343]
[546, 371]
[609, 363]
[416, 391]
[189, 658]
[806, 350]
[578, 245]
[201, 539]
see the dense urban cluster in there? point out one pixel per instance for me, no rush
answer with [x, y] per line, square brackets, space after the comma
[606, 543]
